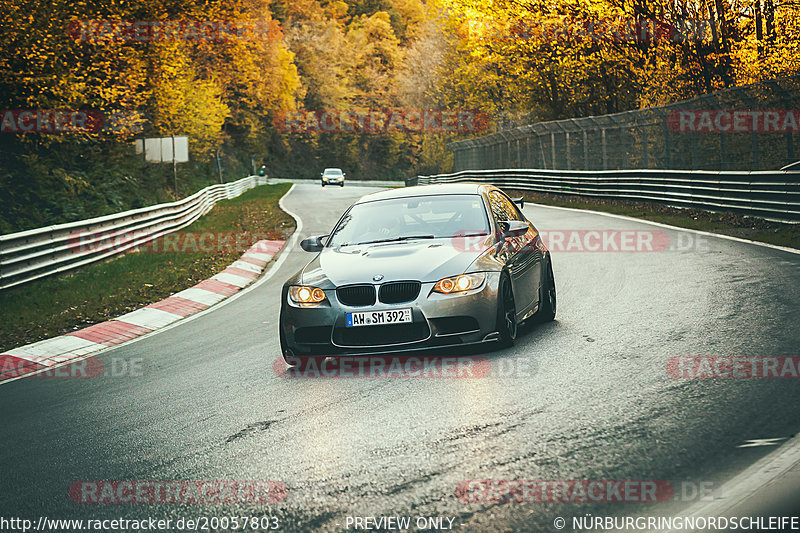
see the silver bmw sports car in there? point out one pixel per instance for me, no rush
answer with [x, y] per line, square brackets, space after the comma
[419, 267]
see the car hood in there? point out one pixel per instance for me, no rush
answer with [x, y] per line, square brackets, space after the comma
[423, 260]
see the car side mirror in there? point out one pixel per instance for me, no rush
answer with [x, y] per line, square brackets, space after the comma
[519, 201]
[513, 228]
[313, 244]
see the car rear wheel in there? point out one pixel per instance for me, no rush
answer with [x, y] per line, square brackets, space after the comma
[547, 295]
[506, 313]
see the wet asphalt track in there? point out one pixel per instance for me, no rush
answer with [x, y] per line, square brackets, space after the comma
[597, 402]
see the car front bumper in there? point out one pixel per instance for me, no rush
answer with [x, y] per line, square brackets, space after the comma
[438, 320]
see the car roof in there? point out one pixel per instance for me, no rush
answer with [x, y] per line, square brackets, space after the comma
[426, 190]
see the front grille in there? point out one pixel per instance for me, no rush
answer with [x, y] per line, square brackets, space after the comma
[399, 292]
[381, 335]
[356, 295]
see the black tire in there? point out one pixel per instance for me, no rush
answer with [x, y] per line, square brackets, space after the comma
[323, 183]
[547, 295]
[282, 339]
[506, 313]
[341, 184]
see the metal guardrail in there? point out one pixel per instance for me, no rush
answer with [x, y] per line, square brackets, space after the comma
[33, 254]
[772, 195]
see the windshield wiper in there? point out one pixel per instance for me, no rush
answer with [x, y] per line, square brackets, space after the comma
[399, 239]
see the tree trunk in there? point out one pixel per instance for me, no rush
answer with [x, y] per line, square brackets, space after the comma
[759, 30]
[769, 18]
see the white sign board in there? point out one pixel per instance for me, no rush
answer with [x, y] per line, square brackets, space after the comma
[152, 150]
[166, 149]
[160, 149]
[181, 149]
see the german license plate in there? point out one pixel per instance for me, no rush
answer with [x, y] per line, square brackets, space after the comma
[375, 318]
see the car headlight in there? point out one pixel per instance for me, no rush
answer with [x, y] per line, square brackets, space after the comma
[306, 295]
[461, 283]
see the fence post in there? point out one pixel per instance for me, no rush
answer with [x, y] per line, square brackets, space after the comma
[540, 155]
[646, 146]
[528, 150]
[569, 159]
[585, 150]
[553, 149]
[623, 141]
[605, 150]
[754, 149]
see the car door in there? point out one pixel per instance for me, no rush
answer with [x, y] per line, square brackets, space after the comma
[521, 254]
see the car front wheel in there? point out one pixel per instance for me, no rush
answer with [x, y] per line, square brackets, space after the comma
[506, 313]
[547, 295]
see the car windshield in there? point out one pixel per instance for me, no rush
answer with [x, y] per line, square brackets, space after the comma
[407, 219]
[333, 172]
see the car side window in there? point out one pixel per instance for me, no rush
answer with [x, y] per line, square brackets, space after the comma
[503, 208]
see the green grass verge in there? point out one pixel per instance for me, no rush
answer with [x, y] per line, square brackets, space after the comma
[733, 224]
[58, 305]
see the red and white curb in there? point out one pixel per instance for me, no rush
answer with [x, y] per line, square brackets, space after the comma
[52, 352]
